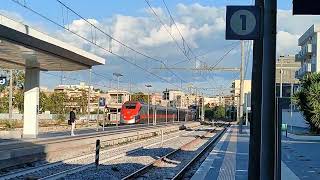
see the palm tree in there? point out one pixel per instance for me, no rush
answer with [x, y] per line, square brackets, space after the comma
[308, 100]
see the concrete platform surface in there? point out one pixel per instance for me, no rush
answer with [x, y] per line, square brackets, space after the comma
[229, 159]
[302, 156]
[79, 132]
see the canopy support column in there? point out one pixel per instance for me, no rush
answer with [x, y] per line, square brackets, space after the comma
[31, 102]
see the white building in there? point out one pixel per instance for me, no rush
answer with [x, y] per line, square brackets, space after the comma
[115, 98]
[309, 54]
[176, 98]
[236, 90]
[214, 101]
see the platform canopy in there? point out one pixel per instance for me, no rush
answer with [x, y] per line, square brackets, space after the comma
[22, 46]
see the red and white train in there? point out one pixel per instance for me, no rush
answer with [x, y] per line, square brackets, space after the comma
[133, 112]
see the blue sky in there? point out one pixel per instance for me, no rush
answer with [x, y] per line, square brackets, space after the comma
[100, 9]
[201, 22]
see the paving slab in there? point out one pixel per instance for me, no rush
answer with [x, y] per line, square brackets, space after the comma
[229, 159]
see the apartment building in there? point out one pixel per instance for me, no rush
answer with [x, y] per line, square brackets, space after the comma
[309, 55]
[236, 90]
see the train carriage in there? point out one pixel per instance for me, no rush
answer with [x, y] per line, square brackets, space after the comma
[133, 112]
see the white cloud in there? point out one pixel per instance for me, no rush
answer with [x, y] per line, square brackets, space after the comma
[287, 43]
[12, 15]
[290, 28]
[203, 28]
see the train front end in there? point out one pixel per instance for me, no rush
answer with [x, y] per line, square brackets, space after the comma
[130, 112]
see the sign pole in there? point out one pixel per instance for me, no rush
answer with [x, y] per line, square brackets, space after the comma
[104, 118]
[268, 121]
[246, 23]
[256, 99]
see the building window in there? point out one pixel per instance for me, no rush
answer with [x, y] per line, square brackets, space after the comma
[120, 99]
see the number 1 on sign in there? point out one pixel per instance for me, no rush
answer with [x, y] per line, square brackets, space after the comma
[244, 22]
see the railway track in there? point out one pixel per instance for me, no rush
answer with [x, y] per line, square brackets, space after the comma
[73, 165]
[58, 149]
[120, 129]
[156, 169]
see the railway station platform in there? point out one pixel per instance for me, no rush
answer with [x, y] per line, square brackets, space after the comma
[229, 159]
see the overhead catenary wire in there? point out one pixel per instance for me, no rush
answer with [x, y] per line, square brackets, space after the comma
[171, 35]
[176, 26]
[94, 43]
[167, 30]
[75, 79]
[118, 41]
[205, 53]
[182, 37]
[184, 42]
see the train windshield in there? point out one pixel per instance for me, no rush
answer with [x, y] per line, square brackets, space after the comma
[130, 106]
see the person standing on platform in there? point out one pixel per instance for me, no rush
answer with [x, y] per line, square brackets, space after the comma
[72, 120]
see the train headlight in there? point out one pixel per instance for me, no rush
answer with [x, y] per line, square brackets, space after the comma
[137, 117]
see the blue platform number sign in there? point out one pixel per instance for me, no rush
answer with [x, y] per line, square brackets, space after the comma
[102, 102]
[3, 81]
[243, 23]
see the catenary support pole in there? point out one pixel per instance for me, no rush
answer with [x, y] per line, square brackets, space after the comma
[281, 84]
[291, 108]
[178, 114]
[202, 108]
[268, 121]
[10, 94]
[104, 119]
[161, 137]
[256, 98]
[166, 110]
[89, 95]
[118, 119]
[148, 107]
[246, 99]
[241, 95]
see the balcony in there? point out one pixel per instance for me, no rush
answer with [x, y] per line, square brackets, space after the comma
[306, 68]
[305, 53]
[299, 57]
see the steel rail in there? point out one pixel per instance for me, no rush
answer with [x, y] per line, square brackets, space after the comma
[182, 172]
[82, 167]
[20, 144]
[144, 169]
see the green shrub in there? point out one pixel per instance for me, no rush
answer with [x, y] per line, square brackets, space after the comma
[9, 124]
[61, 119]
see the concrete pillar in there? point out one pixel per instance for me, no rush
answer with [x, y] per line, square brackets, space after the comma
[31, 103]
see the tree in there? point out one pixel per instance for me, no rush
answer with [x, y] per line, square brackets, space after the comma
[56, 103]
[207, 106]
[19, 100]
[140, 96]
[4, 105]
[19, 78]
[44, 102]
[208, 113]
[219, 112]
[82, 101]
[308, 100]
